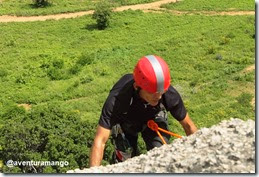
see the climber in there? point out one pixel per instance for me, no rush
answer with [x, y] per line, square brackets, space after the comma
[133, 101]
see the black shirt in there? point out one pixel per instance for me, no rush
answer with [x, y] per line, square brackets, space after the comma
[125, 105]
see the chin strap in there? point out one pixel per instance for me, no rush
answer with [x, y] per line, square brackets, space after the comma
[153, 126]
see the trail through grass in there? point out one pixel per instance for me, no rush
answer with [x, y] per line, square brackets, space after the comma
[70, 59]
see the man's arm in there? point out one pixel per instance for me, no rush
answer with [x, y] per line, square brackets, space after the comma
[188, 125]
[101, 137]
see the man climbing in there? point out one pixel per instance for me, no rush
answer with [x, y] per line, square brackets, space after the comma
[133, 101]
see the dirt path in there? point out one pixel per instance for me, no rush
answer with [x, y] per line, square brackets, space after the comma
[249, 69]
[27, 107]
[148, 7]
[8, 18]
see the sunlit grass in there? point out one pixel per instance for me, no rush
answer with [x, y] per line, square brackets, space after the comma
[212, 5]
[72, 62]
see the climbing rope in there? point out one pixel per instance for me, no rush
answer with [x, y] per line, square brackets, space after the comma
[153, 126]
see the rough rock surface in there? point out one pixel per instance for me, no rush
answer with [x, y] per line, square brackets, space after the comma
[225, 148]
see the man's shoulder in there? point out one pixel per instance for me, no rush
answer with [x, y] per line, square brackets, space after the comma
[121, 93]
[126, 78]
[125, 81]
[171, 92]
[171, 97]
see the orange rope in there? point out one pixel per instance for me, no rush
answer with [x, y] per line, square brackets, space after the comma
[153, 126]
[170, 133]
[163, 140]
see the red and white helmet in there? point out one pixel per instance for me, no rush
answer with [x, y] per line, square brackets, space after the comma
[152, 74]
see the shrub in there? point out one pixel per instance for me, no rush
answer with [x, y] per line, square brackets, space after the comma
[12, 112]
[47, 133]
[102, 14]
[55, 74]
[41, 3]
[86, 59]
[75, 69]
[58, 64]
[56, 70]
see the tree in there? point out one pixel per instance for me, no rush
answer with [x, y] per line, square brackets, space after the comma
[102, 14]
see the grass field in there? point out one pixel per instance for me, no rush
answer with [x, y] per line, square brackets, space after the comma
[71, 63]
[212, 5]
[27, 8]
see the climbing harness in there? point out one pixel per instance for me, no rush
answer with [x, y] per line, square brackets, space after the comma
[153, 126]
[123, 150]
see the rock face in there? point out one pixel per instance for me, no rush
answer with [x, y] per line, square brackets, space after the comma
[225, 148]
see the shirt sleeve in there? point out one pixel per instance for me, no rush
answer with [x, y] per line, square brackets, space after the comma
[107, 119]
[112, 106]
[174, 104]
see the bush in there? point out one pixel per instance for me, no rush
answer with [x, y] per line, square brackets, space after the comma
[12, 111]
[102, 14]
[56, 74]
[86, 59]
[75, 69]
[47, 133]
[56, 70]
[58, 64]
[41, 3]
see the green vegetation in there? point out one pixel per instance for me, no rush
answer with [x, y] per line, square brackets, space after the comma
[28, 7]
[41, 3]
[212, 5]
[102, 14]
[64, 69]
[47, 132]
